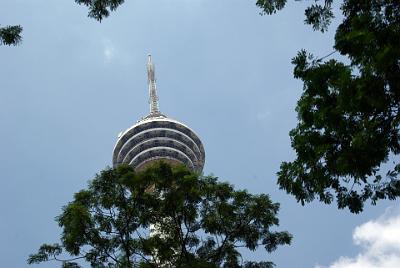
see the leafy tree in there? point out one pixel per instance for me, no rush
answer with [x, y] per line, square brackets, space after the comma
[163, 217]
[10, 35]
[318, 15]
[349, 113]
[100, 9]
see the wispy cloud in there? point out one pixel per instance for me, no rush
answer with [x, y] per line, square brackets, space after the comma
[109, 50]
[262, 116]
[380, 240]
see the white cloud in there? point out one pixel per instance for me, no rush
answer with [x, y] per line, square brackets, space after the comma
[380, 240]
[108, 53]
[109, 50]
[261, 116]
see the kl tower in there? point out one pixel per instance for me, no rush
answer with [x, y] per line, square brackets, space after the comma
[156, 137]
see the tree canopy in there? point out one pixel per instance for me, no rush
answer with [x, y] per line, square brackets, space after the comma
[318, 15]
[10, 35]
[348, 113]
[163, 217]
[100, 9]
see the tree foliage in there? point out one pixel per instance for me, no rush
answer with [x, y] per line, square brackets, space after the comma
[319, 14]
[100, 9]
[10, 35]
[163, 217]
[348, 113]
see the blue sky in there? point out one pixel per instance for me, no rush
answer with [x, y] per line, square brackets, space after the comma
[222, 69]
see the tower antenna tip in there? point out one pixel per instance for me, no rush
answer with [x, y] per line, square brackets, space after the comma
[151, 78]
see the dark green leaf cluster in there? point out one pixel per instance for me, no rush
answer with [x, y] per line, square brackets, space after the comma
[349, 114]
[100, 9]
[10, 35]
[163, 217]
[271, 6]
[318, 15]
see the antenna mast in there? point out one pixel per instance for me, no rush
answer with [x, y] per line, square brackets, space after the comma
[151, 79]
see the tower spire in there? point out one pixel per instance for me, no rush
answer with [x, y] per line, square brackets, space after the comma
[151, 79]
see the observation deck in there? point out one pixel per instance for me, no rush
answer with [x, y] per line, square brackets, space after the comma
[157, 137]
